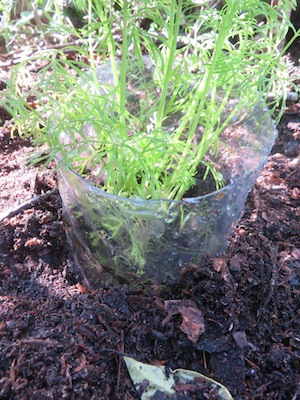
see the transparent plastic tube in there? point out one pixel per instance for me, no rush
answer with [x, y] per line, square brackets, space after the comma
[125, 239]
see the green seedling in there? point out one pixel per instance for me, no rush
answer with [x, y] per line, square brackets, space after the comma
[145, 124]
[137, 150]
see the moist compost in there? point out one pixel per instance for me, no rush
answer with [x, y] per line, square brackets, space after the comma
[61, 340]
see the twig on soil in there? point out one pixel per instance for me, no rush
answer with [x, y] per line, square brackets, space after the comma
[27, 204]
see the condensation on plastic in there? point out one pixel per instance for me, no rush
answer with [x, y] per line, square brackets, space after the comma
[128, 240]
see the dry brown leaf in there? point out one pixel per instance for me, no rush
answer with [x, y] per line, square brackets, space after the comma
[192, 322]
[171, 307]
[218, 264]
[82, 289]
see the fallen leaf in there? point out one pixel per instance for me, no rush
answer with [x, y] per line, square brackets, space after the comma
[192, 322]
[150, 380]
[171, 307]
[82, 289]
[218, 264]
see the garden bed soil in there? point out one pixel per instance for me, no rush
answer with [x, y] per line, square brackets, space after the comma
[62, 340]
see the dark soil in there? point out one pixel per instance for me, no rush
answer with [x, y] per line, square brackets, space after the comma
[60, 340]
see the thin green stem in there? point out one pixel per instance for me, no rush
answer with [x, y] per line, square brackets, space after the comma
[58, 12]
[123, 74]
[173, 32]
[207, 84]
[90, 38]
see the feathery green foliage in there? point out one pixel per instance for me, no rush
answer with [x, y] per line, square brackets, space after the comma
[202, 56]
